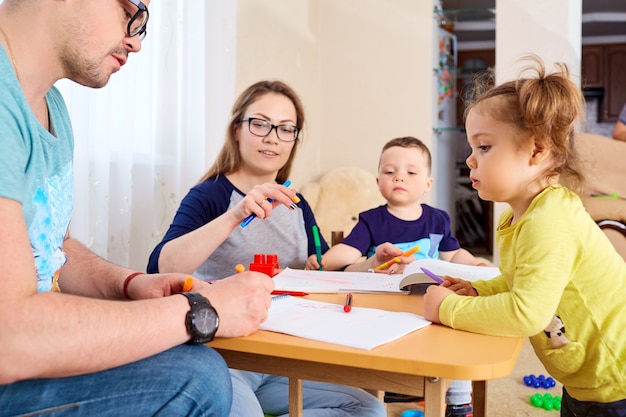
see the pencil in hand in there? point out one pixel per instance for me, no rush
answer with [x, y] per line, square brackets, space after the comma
[397, 260]
[387, 264]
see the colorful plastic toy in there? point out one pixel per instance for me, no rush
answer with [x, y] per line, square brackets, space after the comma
[412, 413]
[546, 401]
[540, 381]
[267, 264]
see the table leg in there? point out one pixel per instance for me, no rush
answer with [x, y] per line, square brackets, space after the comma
[295, 397]
[435, 396]
[479, 398]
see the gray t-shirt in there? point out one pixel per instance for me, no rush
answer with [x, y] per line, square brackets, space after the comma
[286, 233]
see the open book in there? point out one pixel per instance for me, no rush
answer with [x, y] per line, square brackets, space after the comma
[412, 280]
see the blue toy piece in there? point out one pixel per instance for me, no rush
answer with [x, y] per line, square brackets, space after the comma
[540, 381]
[412, 413]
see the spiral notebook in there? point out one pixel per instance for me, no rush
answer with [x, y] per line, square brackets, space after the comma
[363, 328]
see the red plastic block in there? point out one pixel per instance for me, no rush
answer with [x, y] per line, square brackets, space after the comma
[267, 264]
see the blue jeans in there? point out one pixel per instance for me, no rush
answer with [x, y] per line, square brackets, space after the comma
[183, 381]
[571, 407]
[255, 394]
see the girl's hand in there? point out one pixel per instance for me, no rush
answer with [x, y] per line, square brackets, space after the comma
[433, 298]
[459, 286]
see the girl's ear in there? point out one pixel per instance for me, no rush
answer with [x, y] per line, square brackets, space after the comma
[540, 152]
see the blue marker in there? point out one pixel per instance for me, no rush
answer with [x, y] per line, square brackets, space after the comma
[251, 217]
[431, 274]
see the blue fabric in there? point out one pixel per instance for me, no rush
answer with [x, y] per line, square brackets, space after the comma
[570, 407]
[37, 170]
[286, 233]
[186, 380]
[622, 115]
[256, 394]
[431, 232]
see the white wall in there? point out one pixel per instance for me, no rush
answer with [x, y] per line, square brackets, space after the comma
[550, 29]
[363, 69]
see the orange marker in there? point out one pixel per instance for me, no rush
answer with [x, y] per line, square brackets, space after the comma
[240, 268]
[411, 251]
[396, 260]
[188, 284]
[387, 264]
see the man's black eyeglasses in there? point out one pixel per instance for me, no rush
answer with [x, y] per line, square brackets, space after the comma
[262, 128]
[137, 23]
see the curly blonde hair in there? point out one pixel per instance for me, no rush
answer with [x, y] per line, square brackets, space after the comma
[546, 106]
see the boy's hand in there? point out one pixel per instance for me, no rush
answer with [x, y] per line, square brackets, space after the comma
[311, 263]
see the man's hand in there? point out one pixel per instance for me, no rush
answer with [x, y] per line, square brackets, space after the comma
[241, 301]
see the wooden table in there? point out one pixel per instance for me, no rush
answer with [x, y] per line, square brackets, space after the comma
[422, 363]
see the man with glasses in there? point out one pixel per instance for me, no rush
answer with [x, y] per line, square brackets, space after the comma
[79, 335]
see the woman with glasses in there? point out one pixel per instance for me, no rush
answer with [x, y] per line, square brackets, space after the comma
[206, 237]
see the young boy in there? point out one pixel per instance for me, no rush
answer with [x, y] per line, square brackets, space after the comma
[404, 176]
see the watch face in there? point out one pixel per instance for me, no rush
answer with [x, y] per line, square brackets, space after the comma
[205, 321]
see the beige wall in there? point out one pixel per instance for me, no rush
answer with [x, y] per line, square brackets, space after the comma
[363, 68]
[557, 35]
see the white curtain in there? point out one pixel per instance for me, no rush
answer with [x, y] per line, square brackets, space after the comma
[147, 137]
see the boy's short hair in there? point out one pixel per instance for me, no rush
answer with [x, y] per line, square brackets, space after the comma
[409, 142]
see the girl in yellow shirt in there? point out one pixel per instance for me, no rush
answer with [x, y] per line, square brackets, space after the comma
[562, 283]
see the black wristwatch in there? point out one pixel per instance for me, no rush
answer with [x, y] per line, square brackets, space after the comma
[202, 320]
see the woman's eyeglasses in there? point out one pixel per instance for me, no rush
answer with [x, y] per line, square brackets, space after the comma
[260, 127]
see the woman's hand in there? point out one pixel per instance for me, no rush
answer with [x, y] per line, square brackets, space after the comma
[262, 199]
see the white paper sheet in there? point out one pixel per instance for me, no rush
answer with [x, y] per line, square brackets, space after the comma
[364, 328]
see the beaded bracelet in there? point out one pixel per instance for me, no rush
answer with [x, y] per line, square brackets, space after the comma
[127, 281]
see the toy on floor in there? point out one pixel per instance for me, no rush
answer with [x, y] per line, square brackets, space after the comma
[546, 401]
[539, 381]
[267, 264]
[412, 413]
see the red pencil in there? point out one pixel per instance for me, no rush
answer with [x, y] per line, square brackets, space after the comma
[294, 293]
[348, 305]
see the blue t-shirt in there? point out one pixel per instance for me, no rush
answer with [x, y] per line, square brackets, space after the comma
[286, 233]
[431, 232]
[37, 170]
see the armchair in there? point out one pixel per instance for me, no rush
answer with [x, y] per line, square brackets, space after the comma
[604, 193]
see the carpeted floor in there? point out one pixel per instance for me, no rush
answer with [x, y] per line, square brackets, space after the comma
[507, 397]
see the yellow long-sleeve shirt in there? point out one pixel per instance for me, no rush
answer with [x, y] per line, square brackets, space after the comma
[555, 261]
